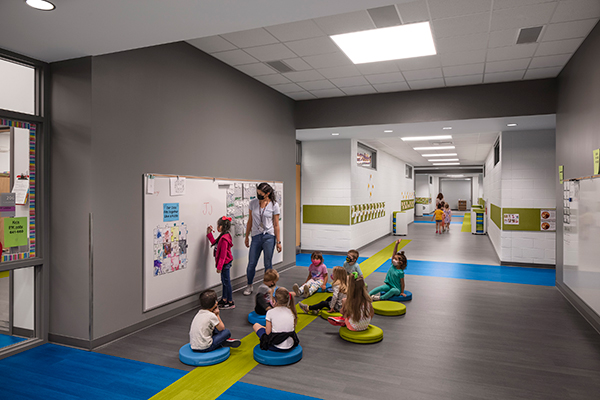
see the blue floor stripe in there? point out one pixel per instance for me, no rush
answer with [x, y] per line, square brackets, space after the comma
[6, 340]
[55, 372]
[246, 391]
[491, 273]
[303, 260]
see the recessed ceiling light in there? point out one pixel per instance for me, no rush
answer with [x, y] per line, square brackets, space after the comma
[388, 131]
[439, 155]
[40, 5]
[393, 43]
[335, 134]
[434, 148]
[417, 138]
[444, 159]
[511, 124]
[447, 163]
[455, 176]
[446, 128]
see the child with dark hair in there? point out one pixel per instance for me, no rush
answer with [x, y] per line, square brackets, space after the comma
[393, 284]
[351, 264]
[208, 332]
[266, 292]
[223, 258]
[317, 277]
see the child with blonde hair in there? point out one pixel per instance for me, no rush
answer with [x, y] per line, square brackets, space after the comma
[393, 284]
[439, 218]
[279, 334]
[335, 301]
[447, 217]
[357, 309]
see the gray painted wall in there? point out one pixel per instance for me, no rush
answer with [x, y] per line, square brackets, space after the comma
[169, 109]
[466, 102]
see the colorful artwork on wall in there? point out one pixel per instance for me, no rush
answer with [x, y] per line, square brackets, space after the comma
[170, 248]
[366, 212]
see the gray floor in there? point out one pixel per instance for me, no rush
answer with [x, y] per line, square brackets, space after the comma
[459, 339]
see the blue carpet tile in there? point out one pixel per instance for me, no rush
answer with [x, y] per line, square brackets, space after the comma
[6, 340]
[246, 391]
[303, 260]
[433, 222]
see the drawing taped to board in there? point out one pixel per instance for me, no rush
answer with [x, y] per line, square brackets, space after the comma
[170, 248]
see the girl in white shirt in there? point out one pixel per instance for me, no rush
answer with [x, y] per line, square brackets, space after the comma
[279, 333]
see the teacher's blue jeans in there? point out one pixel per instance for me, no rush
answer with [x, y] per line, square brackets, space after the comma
[226, 281]
[260, 243]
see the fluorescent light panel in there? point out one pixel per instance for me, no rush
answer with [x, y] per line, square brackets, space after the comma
[455, 176]
[447, 163]
[393, 43]
[511, 124]
[435, 148]
[444, 159]
[439, 155]
[417, 138]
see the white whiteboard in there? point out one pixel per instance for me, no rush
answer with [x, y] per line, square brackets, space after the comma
[581, 262]
[178, 260]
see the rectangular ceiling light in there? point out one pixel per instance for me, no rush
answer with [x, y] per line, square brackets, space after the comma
[447, 163]
[443, 159]
[393, 43]
[439, 155]
[434, 148]
[416, 138]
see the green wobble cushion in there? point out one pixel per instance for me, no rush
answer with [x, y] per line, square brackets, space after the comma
[389, 308]
[372, 334]
[326, 314]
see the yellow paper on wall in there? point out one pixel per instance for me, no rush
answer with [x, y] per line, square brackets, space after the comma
[596, 161]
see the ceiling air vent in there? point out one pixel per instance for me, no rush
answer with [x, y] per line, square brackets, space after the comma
[384, 17]
[280, 66]
[529, 35]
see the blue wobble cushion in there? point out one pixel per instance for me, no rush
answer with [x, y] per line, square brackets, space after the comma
[254, 318]
[276, 358]
[328, 289]
[400, 298]
[197, 358]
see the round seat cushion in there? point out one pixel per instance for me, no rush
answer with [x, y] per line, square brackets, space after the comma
[389, 308]
[254, 318]
[326, 314]
[276, 358]
[328, 289]
[400, 298]
[197, 358]
[372, 334]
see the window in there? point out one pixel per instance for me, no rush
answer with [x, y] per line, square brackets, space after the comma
[408, 172]
[497, 152]
[431, 180]
[366, 157]
[18, 87]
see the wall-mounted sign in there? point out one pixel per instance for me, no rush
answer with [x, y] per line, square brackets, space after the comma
[511, 219]
[596, 161]
[561, 173]
[548, 220]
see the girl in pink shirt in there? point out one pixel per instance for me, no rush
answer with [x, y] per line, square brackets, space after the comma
[223, 258]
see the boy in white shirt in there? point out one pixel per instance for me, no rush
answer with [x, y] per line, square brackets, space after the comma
[208, 332]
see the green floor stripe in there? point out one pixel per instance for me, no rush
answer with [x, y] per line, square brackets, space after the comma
[208, 383]
[466, 225]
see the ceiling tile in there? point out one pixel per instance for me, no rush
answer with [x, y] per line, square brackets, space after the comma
[327, 93]
[461, 26]
[427, 84]
[503, 38]
[511, 52]
[503, 76]
[522, 17]
[301, 96]
[295, 30]
[409, 64]
[391, 87]
[550, 61]
[250, 38]
[464, 80]
[340, 72]
[345, 23]
[385, 78]
[463, 57]
[448, 9]
[272, 79]
[462, 43]
[500, 4]
[377, 67]
[212, 44]
[270, 52]
[423, 74]
[542, 73]
[509, 65]
[298, 64]
[235, 57]
[316, 85]
[287, 88]
[352, 81]
[462, 70]
[568, 30]
[558, 47]
[415, 11]
[303, 76]
[359, 90]
[313, 46]
[256, 69]
[571, 10]
[328, 60]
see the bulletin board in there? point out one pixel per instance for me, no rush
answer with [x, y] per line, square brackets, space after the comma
[178, 260]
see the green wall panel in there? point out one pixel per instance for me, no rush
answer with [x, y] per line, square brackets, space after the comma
[529, 219]
[327, 215]
[496, 215]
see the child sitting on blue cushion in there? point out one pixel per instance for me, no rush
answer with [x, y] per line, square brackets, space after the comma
[317, 277]
[335, 301]
[208, 332]
[357, 310]
[279, 334]
[351, 264]
[393, 284]
[265, 292]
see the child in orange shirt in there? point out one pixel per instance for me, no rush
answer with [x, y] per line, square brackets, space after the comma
[439, 218]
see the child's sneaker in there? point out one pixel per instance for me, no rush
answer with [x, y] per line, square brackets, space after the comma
[228, 306]
[436, 232]
[376, 297]
[304, 307]
[235, 343]
[337, 321]
[296, 289]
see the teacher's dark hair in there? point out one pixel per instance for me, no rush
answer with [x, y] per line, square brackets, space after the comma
[440, 196]
[268, 190]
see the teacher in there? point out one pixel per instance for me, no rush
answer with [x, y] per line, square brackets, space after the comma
[263, 223]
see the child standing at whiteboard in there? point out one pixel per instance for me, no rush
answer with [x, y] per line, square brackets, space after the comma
[223, 258]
